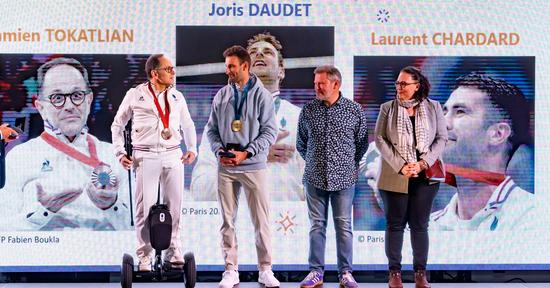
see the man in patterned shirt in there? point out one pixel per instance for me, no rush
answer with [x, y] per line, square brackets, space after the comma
[332, 138]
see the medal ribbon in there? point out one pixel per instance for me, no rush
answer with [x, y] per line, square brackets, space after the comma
[164, 117]
[91, 160]
[238, 107]
[491, 178]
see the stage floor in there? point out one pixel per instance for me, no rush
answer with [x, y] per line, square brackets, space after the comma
[255, 285]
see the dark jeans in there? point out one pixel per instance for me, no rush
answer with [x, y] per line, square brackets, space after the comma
[413, 208]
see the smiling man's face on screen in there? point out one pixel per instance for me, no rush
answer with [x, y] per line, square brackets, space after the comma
[65, 99]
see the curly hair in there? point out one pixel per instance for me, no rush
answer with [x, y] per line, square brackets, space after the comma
[267, 37]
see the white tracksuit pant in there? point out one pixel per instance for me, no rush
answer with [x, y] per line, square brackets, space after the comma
[152, 167]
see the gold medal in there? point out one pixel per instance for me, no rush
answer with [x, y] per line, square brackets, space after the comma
[236, 125]
[166, 134]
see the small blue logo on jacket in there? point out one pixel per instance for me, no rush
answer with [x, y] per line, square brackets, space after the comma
[46, 166]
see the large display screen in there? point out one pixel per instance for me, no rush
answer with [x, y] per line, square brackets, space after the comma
[485, 62]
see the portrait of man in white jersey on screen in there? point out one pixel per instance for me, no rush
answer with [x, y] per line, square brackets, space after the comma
[66, 178]
[487, 120]
[285, 166]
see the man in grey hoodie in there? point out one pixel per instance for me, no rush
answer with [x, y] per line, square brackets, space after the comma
[240, 130]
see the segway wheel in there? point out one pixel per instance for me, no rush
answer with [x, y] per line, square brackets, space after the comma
[190, 270]
[126, 271]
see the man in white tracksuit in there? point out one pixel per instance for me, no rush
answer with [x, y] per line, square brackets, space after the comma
[65, 178]
[160, 117]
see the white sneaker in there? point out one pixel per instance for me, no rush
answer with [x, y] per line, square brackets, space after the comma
[268, 279]
[230, 278]
[144, 264]
[173, 255]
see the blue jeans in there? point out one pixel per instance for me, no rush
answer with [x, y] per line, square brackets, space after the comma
[317, 203]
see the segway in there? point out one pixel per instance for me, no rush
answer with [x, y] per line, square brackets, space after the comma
[160, 232]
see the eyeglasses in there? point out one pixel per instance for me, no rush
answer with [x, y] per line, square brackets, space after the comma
[403, 84]
[58, 99]
[169, 69]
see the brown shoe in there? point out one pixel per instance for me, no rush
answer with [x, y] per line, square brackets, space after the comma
[395, 279]
[421, 280]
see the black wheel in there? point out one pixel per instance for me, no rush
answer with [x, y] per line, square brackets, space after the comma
[190, 270]
[126, 271]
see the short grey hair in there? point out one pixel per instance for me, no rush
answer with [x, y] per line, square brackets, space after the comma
[42, 70]
[333, 73]
[152, 63]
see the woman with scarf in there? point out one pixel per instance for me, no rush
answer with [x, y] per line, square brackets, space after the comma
[410, 133]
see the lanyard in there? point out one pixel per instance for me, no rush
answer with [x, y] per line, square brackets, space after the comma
[238, 107]
[164, 117]
[277, 104]
[91, 160]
